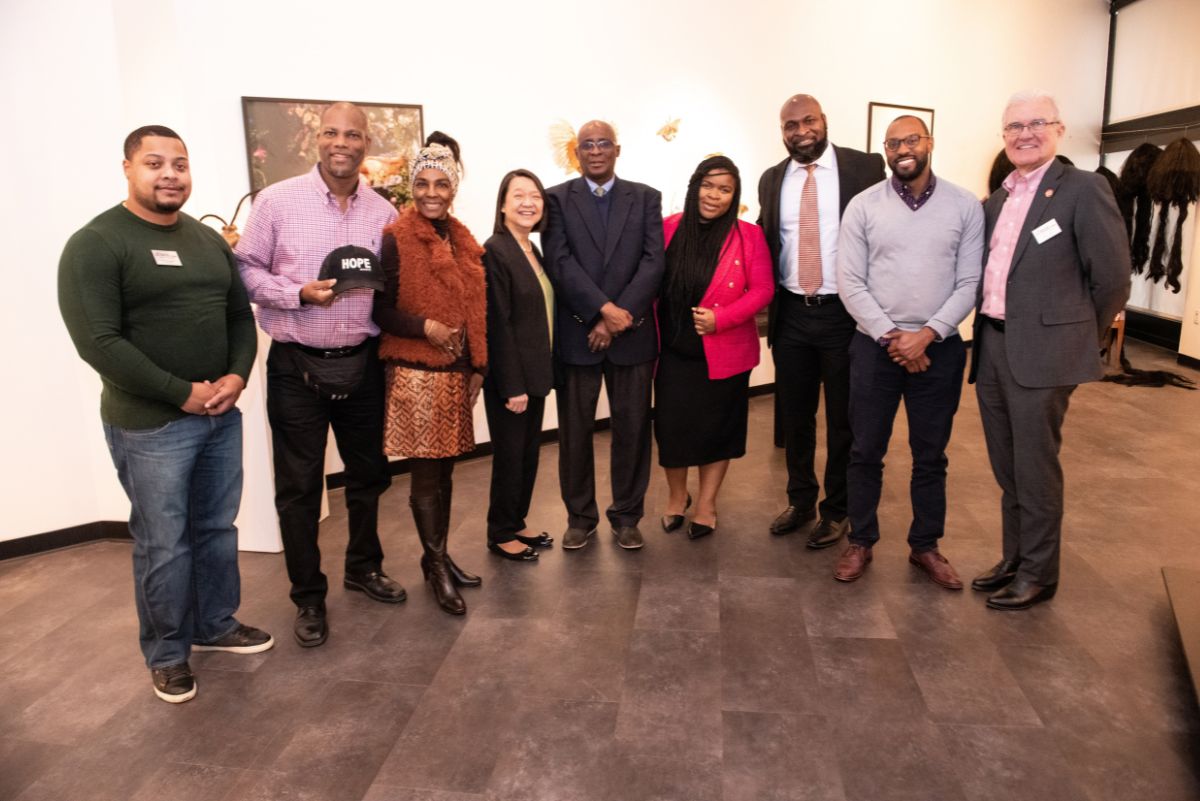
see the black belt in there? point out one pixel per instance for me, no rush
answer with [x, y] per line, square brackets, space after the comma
[811, 300]
[330, 353]
[997, 325]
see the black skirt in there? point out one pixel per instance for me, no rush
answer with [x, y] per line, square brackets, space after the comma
[697, 420]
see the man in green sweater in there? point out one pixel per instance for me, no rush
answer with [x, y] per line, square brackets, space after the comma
[153, 301]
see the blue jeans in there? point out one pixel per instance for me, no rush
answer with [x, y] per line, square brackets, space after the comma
[184, 482]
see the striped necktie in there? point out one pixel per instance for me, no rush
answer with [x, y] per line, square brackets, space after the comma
[808, 241]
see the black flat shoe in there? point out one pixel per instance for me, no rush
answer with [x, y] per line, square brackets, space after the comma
[673, 522]
[527, 555]
[698, 530]
[542, 540]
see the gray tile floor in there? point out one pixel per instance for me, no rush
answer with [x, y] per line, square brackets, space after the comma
[730, 668]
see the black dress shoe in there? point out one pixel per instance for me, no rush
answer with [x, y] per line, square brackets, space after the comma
[827, 533]
[1021, 594]
[310, 627]
[673, 522]
[698, 530]
[1001, 575]
[542, 540]
[376, 585]
[791, 519]
[527, 555]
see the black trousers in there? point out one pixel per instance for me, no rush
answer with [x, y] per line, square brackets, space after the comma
[1023, 430]
[629, 404]
[811, 349]
[300, 422]
[930, 401]
[516, 440]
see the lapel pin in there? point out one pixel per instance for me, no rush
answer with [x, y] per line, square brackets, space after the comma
[1049, 193]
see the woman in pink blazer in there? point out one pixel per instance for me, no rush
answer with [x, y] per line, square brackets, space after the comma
[718, 277]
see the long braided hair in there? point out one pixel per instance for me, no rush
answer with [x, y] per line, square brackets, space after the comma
[696, 246]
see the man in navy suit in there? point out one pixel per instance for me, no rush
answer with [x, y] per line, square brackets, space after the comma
[604, 253]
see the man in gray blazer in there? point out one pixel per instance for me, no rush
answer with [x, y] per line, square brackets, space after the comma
[1055, 275]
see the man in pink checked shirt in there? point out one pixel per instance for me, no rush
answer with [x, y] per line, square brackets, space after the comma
[322, 369]
[1056, 272]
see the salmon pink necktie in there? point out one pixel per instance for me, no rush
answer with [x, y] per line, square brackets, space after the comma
[808, 244]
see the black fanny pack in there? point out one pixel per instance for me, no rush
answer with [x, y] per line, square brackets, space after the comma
[332, 374]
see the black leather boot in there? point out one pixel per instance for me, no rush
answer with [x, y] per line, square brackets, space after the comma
[433, 564]
[460, 577]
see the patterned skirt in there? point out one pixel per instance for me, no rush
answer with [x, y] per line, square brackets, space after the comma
[427, 416]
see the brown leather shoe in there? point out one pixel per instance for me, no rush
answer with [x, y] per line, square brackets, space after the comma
[853, 561]
[937, 568]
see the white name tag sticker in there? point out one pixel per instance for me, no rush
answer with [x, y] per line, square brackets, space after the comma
[1046, 231]
[166, 258]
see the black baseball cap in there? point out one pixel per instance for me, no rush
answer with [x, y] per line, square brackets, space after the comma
[353, 267]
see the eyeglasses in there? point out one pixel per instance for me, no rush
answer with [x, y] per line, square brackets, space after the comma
[893, 145]
[603, 145]
[1034, 126]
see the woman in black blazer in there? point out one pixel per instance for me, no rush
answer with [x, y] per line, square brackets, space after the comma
[521, 372]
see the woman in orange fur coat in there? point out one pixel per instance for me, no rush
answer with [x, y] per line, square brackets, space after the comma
[433, 315]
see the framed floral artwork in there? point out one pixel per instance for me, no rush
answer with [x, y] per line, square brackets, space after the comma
[281, 141]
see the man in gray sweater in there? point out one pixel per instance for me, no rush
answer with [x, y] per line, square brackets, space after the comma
[909, 256]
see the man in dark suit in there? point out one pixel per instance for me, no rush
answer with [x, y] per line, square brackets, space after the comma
[801, 201]
[604, 253]
[1055, 274]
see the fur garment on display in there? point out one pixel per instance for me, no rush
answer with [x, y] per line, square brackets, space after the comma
[1133, 197]
[1173, 181]
[1131, 376]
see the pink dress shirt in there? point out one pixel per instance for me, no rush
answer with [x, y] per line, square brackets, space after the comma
[294, 224]
[1021, 191]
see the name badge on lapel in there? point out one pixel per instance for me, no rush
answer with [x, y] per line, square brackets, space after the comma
[1046, 231]
[166, 258]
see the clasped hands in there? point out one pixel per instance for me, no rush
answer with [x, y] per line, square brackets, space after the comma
[907, 348]
[214, 397]
[443, 337]
[451, 340]
[613, 321]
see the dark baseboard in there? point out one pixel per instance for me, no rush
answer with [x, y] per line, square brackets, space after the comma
[1188, 361]
[119, 530]
[64, 538]
[1153, 329]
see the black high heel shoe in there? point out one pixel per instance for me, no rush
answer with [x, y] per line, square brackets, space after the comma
[527, 555]
[698, 530]
[542, 540]
[673, 522]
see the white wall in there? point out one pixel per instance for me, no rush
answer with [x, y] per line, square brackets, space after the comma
[1156, 68]
[1156, 61]
[81, 73]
